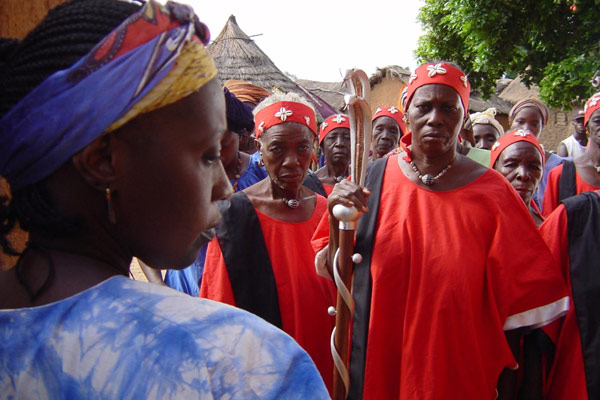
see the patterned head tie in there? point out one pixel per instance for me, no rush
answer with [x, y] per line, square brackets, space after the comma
[514, 136]
[154, 58]
[282, 112]
[333, 122]
[393, 113]
[442, 74]
[530, 102]
[590, 106]
[487, 117]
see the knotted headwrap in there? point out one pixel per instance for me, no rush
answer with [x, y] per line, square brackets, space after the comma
[514, 136]
[487, 117]
[530, 102]
[285, 111]
[443, 74]
[246, 91]
[239, 115]
[590, 106]
[393, 113]
[154, 58]
[333, 122]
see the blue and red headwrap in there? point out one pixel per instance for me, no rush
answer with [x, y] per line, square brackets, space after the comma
[154, 58]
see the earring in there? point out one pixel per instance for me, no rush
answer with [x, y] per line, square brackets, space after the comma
[111, 212]
[261, 163]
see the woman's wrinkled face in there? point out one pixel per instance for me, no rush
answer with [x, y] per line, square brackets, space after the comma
[286, 150]
[521, 164]
[485, 136]
[336, 145]
[529, 119]
[169, 177]
[436, 117]
[593, 126]
[386, 134]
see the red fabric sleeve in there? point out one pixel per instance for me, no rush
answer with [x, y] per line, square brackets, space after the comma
[528, 284]
[551, 194]
[215, 279]
[320, 238]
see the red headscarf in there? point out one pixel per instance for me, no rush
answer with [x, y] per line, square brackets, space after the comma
[590, 106]
[285, 111]
[443, 74]
[514, 136]
[333, 122]
[393, 113]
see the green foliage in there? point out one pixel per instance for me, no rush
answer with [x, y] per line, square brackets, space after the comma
[543, 41]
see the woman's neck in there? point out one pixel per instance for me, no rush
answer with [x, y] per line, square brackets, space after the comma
[433, 164]
[53, 269]
[335, 170]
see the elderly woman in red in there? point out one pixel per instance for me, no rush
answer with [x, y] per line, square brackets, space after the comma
[519, 157]
[583, 173]
[261, 259]
[435, 319]
[334, 139]
[388, 128]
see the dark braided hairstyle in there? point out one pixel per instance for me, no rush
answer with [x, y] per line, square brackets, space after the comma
[68, 33]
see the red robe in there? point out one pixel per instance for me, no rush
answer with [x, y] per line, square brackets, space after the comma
[552, 188]
[567, 377]
[303, 296]
[451, 271]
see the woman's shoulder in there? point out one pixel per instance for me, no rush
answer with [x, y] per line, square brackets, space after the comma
[123, 328]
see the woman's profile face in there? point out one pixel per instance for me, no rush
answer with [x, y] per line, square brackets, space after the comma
[436, 117]
[529, 119]
[169, 177]
[521, 164]
[286, 151]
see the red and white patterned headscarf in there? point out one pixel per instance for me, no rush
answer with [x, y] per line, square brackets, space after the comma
[333, 122]
[590, 106]
[285, 111]
[441, 73]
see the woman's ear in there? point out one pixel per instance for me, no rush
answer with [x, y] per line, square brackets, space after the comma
[257, 144]
[95, 163]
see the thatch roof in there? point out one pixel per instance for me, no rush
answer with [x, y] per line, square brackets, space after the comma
[516, 90]
[238, 57]
[391, 71]
[331, 92]
[478, 104]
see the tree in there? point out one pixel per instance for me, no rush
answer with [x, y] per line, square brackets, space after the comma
[554, 44]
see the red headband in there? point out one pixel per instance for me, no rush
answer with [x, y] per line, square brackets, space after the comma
[590, 106]
[333, 122]
[285, 111]
[514, 136]
[393, 113]
[443, 74]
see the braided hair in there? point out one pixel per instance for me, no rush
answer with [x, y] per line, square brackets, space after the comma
[68, 33]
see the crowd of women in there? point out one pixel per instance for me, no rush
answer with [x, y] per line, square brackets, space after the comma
[479, 247]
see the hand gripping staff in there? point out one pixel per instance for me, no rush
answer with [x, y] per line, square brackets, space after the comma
[359, 113]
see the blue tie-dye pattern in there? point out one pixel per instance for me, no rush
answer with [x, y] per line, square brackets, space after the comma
[130, 340]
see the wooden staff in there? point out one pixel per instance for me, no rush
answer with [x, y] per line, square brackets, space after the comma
[359, 113]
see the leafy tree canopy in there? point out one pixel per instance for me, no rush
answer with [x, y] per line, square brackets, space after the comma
[554, 44]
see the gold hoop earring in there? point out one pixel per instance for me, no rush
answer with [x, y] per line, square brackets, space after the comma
[109, 207]
[261, 163]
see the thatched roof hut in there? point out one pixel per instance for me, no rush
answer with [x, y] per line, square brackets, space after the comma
[238, 57]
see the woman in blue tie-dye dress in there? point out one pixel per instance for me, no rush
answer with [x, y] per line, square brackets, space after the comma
[110, 124]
